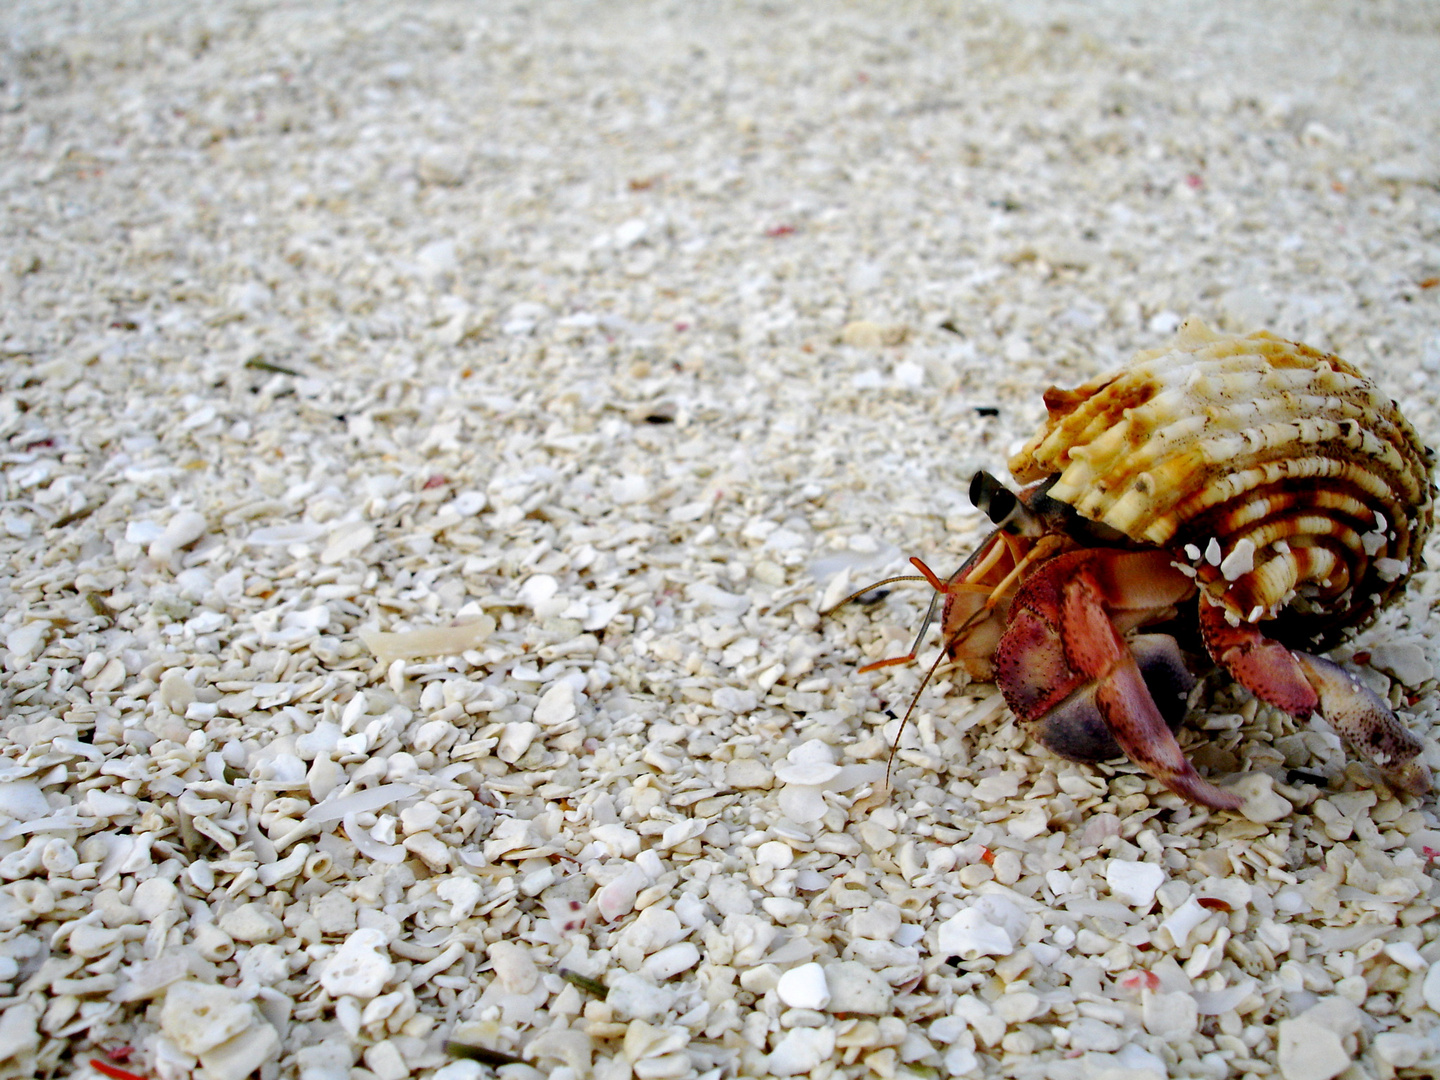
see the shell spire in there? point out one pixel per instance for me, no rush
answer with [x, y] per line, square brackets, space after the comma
[1280, 473]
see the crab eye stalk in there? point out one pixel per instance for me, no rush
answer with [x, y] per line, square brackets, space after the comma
[992, 498]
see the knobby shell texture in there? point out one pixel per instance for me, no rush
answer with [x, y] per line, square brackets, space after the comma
[604, 344]
[1308, 481]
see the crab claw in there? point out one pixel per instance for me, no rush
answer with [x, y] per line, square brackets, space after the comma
[1301, 684]
[1065, 667]
[1075, 729]
[1096, 648]
[1362, 719]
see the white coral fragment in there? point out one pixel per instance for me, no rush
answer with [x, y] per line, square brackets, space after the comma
[359, 967]
[1240, 561]
[431, 641]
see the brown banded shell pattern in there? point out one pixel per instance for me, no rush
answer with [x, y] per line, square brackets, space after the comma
[1279, 473]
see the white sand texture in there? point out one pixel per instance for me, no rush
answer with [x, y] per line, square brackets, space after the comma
[432, 434]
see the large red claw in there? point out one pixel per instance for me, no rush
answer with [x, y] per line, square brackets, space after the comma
[1096, 648]
[1030, 666]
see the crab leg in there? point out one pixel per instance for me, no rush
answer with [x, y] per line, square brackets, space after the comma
[1073, 727]
[1096, 649]
[1065, 638]
[1301, 684]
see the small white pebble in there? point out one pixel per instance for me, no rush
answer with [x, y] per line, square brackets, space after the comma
[251, 923]
[90, 941]
[153, 897]
[802, 803]
[58, 857]
[804, 987]
[461, 893]
[181, 531]
[1173, 1016]
[176, 691]
[748, 773]
[24, 641]
[358, 968]
[433, 852]
[109, 677]
[1430, 988]
[655, 927]
[774, 853]
[385, 1061]
[463, 1069]
[807, 773]
[998, 788]
[630, 490]
[635, 996]
[1087, 1033]
[878, 922]
[670, 961]
[855, 989]
[23, 800]
[970, 935]
[1391, 569]
[1184, 919]
[441, 164]
[1406, 955]
[1310, 1051]
[513, 966]
[198, 1016]
[616, 897]
[1031, 822]
[1263, 804]
[239, 1057]
[1240, 561]
[801, 1051]
[1405, 660]
[538, 591]
[421, 817]
[1400, 1049]
[733, 700]
[557, 705]
[467, 503]
[617, 839]
[346, 541]
[515, 740]
[1134, 883]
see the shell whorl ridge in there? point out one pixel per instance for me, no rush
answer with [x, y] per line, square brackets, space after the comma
[1289, 483]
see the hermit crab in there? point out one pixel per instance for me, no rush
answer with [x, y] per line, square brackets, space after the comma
[1248, 498]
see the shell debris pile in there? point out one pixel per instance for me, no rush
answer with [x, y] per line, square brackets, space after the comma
[427, 435]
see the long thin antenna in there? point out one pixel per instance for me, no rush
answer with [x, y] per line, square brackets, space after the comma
[904, 720]
[871, 588]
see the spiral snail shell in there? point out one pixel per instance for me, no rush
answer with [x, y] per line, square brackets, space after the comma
[1293, 486]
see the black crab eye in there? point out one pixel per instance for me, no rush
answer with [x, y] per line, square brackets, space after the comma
[991, 497]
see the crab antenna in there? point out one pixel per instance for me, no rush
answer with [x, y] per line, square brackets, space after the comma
[904, 720]
[871, 588]
[1039, 551]
[926, 574]
[929, 608]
